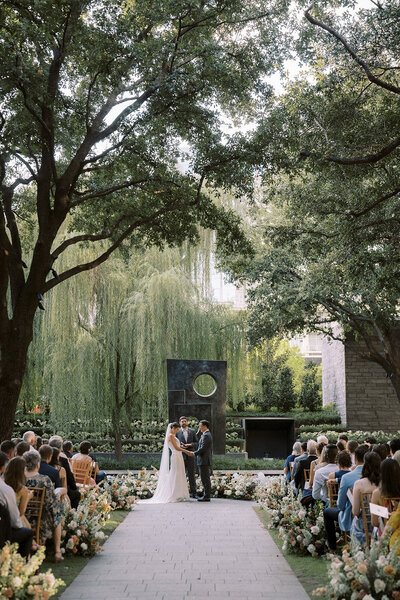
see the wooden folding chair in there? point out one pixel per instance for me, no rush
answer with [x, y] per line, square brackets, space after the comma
[82, 471]
[333, 492]
[34, 510]
[391, 504]
[306, 475]
[365, 500]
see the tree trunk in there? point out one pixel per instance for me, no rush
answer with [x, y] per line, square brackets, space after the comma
[117, 408]
[118, 444]
[12, 369]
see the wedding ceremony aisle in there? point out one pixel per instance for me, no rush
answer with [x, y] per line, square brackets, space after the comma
[186, 550]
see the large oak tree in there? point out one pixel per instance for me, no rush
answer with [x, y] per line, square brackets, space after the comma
[98, 99]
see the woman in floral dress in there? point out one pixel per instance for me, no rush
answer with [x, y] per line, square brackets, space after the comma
[50, 525]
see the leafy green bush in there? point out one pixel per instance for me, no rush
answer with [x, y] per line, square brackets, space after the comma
[359, 436]
[219, 463]
[325, 416]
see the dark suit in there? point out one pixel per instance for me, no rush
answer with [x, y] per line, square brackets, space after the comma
[299, 479]
[52, 472]
[189, 460]
[73, 492]
[204, 461]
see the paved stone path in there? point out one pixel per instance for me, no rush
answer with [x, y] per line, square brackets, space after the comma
[187, 550]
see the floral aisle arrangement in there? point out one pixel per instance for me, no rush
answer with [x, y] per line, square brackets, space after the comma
[273, 497]
[82, 526]
[372, 574]
[121, 491]
[236, 486]
[302, 531]
[18, 578]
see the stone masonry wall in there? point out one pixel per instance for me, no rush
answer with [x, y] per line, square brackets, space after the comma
[363, 395]
[371, 401]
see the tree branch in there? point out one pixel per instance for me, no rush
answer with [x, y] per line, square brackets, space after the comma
[379, 82]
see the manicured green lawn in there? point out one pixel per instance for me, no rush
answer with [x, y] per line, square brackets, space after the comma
[69, 568]
[311, 572]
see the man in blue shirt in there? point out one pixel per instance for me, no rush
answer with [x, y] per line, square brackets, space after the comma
[46, 452]
[343, 512]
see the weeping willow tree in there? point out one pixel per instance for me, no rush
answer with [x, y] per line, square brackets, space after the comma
[100, 347]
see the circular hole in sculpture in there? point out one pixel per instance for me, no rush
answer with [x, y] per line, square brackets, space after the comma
[205, 385]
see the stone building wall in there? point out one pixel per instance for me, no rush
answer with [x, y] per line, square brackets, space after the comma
[364, 396]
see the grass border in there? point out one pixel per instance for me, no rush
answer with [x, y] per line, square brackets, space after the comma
[311, 572]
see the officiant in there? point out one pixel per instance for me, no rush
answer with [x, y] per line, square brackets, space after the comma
[188, 440]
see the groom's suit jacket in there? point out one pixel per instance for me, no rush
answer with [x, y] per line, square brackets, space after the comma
[204, 451]
[191, 439]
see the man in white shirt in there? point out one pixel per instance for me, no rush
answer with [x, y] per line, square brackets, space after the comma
[319, 491]
[22, 535]
[30, 438]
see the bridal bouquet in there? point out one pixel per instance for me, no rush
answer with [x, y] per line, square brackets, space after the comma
[372, 574]
[302, 532]
[18, 578]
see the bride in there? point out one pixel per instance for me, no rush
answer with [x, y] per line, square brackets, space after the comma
[172, 484]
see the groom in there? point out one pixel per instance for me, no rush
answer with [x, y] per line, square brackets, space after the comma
[204, 459]
[188, 440]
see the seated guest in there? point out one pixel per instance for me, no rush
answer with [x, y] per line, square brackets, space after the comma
[351, 447]
[50, 525]
[16, 440]
[30, 438]
[73, 492]
[343, 512]
[341, 445]
[381, 449]
[21, 448]
[55, 462]
[322, 439]
[319, 490]
[23, 536]
[14, 476]
[342, 437]
[46, 453]
[39, 442]
[396, 456]
[366, 485]
[343, 460]
[85, 448]
[389, 485]
[296, 451]
[8, 447]
[68, 448]
[394, 446]
[299, 478]
[319, 462]
[299, 458]
[370, 441]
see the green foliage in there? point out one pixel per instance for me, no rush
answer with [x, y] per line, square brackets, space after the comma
[285, 390]
[328, 416]
[329, 259]
[310, 397]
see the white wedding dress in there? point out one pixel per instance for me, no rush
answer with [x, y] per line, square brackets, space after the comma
[172, 484]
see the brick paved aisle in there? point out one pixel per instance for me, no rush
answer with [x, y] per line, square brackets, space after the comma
[188, 550]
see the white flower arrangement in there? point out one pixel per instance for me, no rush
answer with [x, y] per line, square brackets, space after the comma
[18, 578]
[370, 574]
